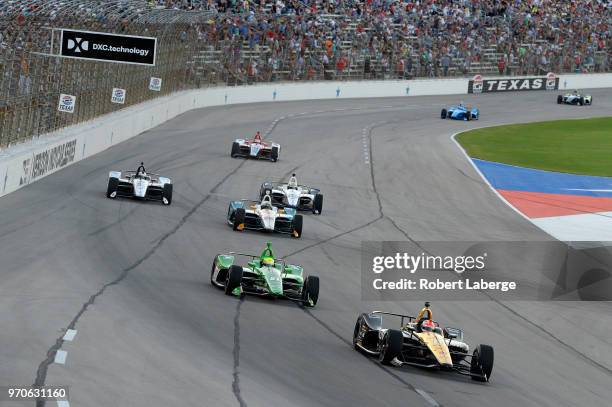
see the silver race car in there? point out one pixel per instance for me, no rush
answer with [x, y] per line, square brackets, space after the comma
[575, 98]
[292, 195]
[139, 184]
[264, 216]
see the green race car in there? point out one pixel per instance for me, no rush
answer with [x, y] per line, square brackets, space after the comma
[264, 275]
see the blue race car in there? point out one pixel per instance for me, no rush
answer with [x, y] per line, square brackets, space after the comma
[460, 112]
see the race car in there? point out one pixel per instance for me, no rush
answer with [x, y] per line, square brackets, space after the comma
[292, 195]
[141, 185]
[264, 216]
[428, 346]
[264, 275]
[255, 148]
[460, 112]
[575, 98]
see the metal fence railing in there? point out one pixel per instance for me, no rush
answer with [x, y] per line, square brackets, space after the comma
[205, 48]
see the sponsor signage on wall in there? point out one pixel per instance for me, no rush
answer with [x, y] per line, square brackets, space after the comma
[67, 103]
[97, 46]
[155, 84]
[118, 96]
[47, 161]
[480, 85]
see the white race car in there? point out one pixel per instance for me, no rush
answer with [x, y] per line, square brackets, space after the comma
[575, 98]
[291, 195]
[142, 185]
[264, 216]
[255, 148]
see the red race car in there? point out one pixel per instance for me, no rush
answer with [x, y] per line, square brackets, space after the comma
[255, 148]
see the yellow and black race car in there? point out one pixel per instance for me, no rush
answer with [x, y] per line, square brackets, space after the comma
[423, 345]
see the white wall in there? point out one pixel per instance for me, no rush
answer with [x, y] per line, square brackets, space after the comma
[28, 162]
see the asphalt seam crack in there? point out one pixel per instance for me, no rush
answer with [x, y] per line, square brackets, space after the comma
[236, 355]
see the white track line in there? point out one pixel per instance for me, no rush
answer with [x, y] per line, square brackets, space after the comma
[427, 397]
[60, 357]
[63, 403]
[70, 334]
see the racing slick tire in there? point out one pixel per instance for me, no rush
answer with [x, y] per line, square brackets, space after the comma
[296, 226]
[113, 184]
[167, 194]
[235, 149]
[239, 217]
[317, 204]
[274, 154]
[234, 278]
[310, 291]
[468, 115]
[581, 101]
[355, 333]
[482, 363]
[391, 346]
[559, 99]
[443, 114]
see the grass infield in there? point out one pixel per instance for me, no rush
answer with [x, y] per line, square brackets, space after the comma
[575, 146]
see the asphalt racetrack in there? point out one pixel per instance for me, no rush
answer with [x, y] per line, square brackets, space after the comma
[133, 278]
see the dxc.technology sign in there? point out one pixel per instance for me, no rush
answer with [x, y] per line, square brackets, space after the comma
[98, 46]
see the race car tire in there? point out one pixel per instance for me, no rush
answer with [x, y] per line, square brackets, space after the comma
[310, 290]
[235, 149]
[317, 204]
[443, 114]
[468, 115]
[391, 346]
[234, 278]
[167, 194]
[581, 101]
[559, 99]
[296, 225]
[482, 362]
[355, 333]
[113, 184]
[274, 154]
[239, 217]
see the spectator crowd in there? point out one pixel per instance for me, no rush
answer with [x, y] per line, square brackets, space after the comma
[406, 38]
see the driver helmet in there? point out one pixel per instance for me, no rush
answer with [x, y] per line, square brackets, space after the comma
[267, 261]
[257, 137]
[293, 181]
[428, 325]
